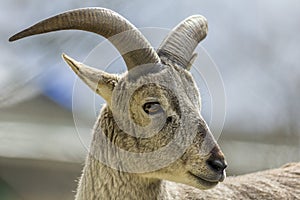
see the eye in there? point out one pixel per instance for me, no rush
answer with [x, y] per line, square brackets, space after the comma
[152, 108]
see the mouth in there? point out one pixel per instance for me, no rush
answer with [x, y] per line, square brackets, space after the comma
[203, 181]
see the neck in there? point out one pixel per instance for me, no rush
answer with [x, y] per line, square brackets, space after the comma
[99, 181]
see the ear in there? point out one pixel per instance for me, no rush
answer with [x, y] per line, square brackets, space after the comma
[99, 81]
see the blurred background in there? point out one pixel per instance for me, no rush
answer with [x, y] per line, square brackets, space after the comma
[255, 45]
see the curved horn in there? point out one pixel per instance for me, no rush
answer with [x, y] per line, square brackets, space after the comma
[133, 46]
[179, 45]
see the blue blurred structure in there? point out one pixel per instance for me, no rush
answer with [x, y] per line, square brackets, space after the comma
[255, 44]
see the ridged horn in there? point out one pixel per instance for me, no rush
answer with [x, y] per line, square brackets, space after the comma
[132, 45]
[180, 44]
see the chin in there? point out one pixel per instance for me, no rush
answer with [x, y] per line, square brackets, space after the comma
[202, 185]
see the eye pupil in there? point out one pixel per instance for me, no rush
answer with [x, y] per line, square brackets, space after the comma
[152, 107]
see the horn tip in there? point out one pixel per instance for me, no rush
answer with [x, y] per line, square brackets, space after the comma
[13, 38]
[200, 19]
[18, 35]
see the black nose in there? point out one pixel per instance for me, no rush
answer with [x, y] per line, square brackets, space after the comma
[216, 164]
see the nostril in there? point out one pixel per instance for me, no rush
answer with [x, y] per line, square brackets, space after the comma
[217, 165]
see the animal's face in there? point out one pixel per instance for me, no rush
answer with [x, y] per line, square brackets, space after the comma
[161, 109]
[152, 108]
[153, 118]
